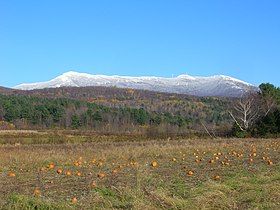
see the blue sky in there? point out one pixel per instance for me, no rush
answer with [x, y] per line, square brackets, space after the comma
[43, 39]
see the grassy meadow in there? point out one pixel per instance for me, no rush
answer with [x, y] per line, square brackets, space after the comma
[41, 170]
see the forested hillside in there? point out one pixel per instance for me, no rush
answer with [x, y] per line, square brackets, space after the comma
[192, 107]
[27, 112]
[113, 110]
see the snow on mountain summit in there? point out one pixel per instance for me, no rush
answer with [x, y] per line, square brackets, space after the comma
[218, 85]
[186, 76]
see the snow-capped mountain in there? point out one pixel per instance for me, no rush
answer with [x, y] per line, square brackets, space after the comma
[184, 84]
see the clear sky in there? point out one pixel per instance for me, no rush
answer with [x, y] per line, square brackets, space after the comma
[40, 40]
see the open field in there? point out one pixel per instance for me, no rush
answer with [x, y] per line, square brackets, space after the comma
[109, 173]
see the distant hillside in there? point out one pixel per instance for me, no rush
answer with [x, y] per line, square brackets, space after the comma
[4, 90]
[195, 110]
[119, 97]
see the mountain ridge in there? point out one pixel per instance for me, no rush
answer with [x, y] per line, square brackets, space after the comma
[217, 85]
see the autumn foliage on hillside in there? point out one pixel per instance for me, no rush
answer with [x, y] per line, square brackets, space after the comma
[116, 110]
[113, 110]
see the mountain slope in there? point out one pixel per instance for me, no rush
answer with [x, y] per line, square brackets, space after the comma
[4, 90]
[184, 84]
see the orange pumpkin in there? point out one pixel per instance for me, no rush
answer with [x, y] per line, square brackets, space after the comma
[93, 184]
[211, 161]
[59, 171]
[269, 162]
[190, 173]
[37, 192]
[101, 175]
[11, 174]
[74, 200]
[68, 173]
[99, 164]
[216, 177]
[154, 164]
[51, 166]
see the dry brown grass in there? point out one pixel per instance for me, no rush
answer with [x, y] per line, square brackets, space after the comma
[129, 181]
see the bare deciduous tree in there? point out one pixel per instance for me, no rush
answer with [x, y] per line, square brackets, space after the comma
[245, 111]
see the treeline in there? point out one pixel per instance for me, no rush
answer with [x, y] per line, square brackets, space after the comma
[269, 123]
[258, 114]
[109, 109]
[210, 110]
[27, 112]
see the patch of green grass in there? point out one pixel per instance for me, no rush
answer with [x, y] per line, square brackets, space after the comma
[114, 199]
[21, 202]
